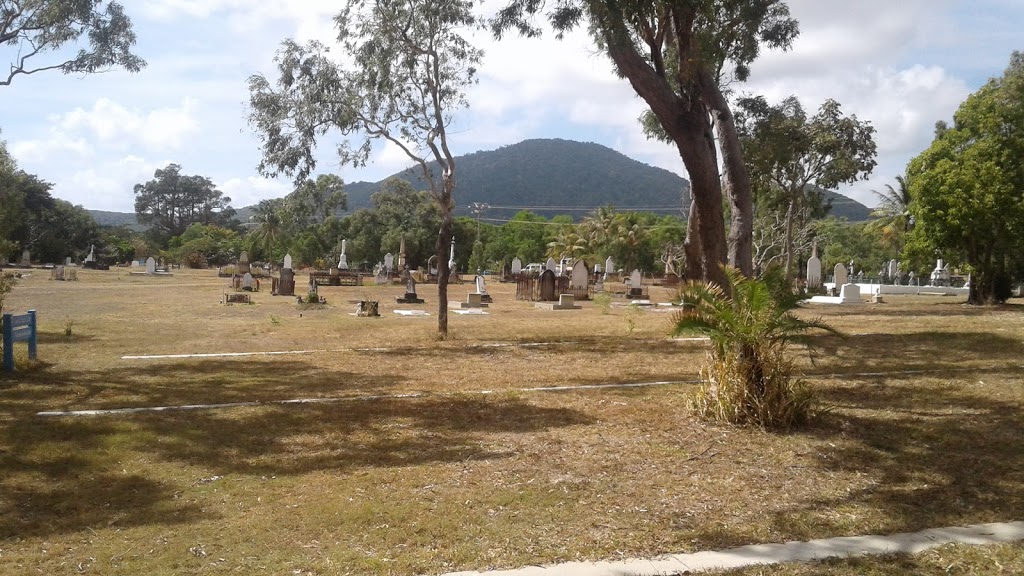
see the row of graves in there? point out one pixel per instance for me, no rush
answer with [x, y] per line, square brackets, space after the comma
[89, 262]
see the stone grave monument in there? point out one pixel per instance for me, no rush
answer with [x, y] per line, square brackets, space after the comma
[517, 266]
[26, 259]
[814, 270]
[410, 296]
[151, 264]
[636, 289]
[389, 263]
[579, 281]
[551, 265]
[343, 259]
[243, 263]
[286, 283]
[401, 253]
[609, 267]
[481, 289]
[547, 286]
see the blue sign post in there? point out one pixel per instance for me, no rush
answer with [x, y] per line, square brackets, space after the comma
[19, 329]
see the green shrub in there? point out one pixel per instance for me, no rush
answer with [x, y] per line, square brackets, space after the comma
[748, 378]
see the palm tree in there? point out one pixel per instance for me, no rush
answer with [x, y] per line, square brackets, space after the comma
[269, 232]
[893, 212]
[748, 375]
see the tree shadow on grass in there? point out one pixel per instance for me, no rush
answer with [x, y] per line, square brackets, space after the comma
[74, 463]
[913, 351]
[186, 382]
[936, 456]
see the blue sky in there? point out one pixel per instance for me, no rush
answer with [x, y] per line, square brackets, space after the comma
[900, 64]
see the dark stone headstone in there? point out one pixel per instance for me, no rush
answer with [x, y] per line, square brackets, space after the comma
[548, 293]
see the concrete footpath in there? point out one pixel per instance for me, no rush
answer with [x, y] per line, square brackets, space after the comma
[909, 543]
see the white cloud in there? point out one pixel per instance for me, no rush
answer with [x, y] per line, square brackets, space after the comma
[114, 125]
[249, 190]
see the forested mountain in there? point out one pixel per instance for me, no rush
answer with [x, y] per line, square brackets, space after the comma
[554, 176]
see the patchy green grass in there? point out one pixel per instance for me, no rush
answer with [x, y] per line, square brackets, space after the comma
[452, 479]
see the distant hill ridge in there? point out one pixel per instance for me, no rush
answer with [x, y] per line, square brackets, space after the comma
[555, 176]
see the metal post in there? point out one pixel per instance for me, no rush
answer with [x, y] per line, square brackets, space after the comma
[8, 343]
[32, 335]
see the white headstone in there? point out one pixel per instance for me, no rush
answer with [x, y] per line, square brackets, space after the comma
[287, 262]
[517, 266]
[451, 257]
[389, 262]
[891, 271]
[635, 279]
[67, 261]
[580, 276]
[481, 287]
[551, 265]
[26, 258]
[840, 276]
[849, 294]
[609, 265]
[92, 254]
[151, 265]
[813, 272]
[247, 280]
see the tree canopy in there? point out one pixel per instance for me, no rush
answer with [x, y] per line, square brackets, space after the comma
[172, 201]
[675, 56]
[85, 36]
[792, 157]
[409, 64]
[968, 186]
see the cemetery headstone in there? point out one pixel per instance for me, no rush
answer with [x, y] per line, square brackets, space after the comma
[814, 270]
[551, 265]
[580, 279]
[343, 259]
[517, 266]
[243, 263]
[247, 281]
[839, 276]
[547, 286]
[287, 261]
[609, 266]
[635, 283]
[92, 254]
[451, 257]
[481, 289]
[67, 261]
[151, 265]
[850, 294]
[26, 258]
[401, 253]
[389, 262]
[410, 296]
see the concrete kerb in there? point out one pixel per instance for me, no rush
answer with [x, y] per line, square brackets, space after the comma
[759, 554]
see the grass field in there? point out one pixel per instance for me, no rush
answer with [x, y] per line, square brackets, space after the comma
[403, 466]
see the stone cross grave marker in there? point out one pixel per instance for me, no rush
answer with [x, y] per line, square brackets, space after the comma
[840, 276]
[517, 266]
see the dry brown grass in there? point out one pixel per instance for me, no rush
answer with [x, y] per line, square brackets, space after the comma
[459, 480]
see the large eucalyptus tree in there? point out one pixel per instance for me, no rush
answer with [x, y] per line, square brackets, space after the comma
[677, 55]
[403, 72]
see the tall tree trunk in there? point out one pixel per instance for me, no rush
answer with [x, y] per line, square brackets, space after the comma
[444, 241]
[789, 245]
[694, 269]
[736, 179]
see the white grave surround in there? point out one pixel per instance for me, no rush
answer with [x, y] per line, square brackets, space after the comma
[517, 266]
[848, 294]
